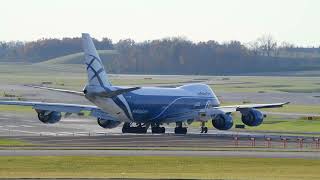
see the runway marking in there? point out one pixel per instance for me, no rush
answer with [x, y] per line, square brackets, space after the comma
[64, 133]
[48, 133]
[15, 130]
[26, 126]
[11, 126]
[30, 121]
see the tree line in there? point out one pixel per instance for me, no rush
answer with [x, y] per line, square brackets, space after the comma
[176, 55]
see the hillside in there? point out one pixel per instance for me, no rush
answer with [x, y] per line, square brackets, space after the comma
[77, 58]
[115, 63]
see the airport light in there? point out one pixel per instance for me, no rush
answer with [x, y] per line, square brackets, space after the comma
[268, 140]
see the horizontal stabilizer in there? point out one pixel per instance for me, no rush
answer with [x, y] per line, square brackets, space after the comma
[114, 93]
[57, 90]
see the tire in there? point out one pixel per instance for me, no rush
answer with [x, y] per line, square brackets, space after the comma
[180, 130]
[184, 130]
[124, 130]
[154, 130]
[158, 130]
[205, 129]
[141, 130]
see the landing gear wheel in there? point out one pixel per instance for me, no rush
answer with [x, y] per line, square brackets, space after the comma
[127, 128]
[204, 130]
[180, 130]
[158, 130]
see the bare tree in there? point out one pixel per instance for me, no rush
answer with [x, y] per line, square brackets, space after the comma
[254, 46]
[267, 44]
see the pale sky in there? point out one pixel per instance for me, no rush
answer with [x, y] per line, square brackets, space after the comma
[295, 21]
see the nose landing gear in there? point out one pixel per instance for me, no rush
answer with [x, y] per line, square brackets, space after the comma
[204, 129]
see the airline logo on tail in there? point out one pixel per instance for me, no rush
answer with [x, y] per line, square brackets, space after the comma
[98, 78]
[97, 75]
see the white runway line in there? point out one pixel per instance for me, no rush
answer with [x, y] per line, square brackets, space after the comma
[64, 133]
[14, 130]
[29, 121]
[26, 126]
[11, 126]
[48, 134]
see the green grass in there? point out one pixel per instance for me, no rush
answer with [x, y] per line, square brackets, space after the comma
[158, 167]
[277, 124]
[262, 84]
[288, 125]
[11, 142]
[65, 73]
[288, 108]
[12, 108]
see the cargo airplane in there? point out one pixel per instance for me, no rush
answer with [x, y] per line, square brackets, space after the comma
[138, 108]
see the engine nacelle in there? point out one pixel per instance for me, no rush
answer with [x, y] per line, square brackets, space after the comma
[108, 124]
[252, 117]
[49, 117]
[222, 121]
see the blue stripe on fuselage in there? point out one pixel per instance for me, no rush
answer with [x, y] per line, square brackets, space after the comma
[155, 108]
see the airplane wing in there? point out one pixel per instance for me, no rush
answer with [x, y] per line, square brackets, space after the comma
[61, 107]
[235, 108]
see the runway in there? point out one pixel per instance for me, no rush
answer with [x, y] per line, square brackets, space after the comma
[27, 124]
[85, 132]
[252, 154]
[78, 136]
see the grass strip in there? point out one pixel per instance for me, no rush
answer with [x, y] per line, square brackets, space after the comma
[158, 167]
[13, 142]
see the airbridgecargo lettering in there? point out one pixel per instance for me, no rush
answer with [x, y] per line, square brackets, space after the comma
[140, 111]
[142, 107]
[204, 93]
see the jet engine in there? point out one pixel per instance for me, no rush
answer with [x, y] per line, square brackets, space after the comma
[222, 121]
[49, 117]
[252, 117]
[108, 124]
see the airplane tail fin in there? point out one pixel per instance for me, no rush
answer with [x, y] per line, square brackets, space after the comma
[97, 76]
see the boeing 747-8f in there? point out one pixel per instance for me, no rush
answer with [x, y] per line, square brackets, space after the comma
[138, 108]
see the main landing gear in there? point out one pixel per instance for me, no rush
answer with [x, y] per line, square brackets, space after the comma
[179, 129]
[204, 129]
[156, 129]
[137, 128]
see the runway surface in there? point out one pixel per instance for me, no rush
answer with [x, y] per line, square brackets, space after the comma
[84, 132]
[82, 136]
[27, 124]
[255, 154]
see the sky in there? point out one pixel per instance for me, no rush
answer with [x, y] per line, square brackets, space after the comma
[293, 21]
